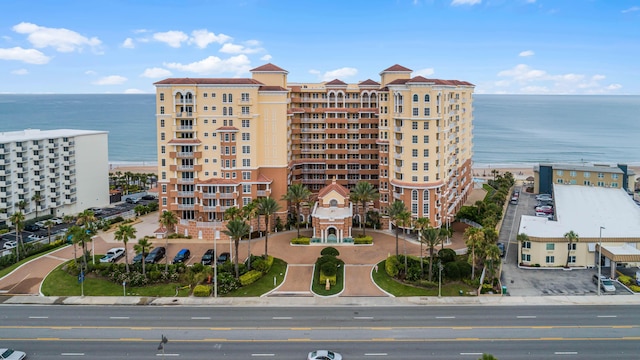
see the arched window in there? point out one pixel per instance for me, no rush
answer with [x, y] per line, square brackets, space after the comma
[224, 110]
[415, 97]
[224, 97]
[230, 97]
[425, 202]
[426, 98]
[333, 203]
[414, 195]
[230, 109]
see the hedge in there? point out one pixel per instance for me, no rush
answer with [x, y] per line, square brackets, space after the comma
[301, 241]
[323, 279]
[249, 277]
[330, 251]
[363, 240]
[391, 266]
[201, 291]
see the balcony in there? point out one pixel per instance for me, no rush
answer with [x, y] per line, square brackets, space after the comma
[184, 114]
[264, 192]
[185, 167]
[186, 180]
[209, 195]
[185, 127]
[186, 206]
[232, 195]
[397, 196]
[186, 193]
[185, 155]
[184, 101]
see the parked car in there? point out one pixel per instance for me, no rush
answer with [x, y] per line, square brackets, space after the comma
[182, 256]
[514, 200]
[56, 221]
[547, 209]
[502, 250]
[138, 258]
[155, 255]
[33, 237]
[223, 258]
[516, 193]
[10, 244]
[112, 255]
[541, 214]
[132, 200]
[324, 355]
[32, 227]
[605, 283]
[10, 354]
[148, 197]
[96, 211]
[207, 257]
[545, 197]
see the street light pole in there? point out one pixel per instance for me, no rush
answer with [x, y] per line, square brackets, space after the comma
[439, 278]
[600, 259]
[215, 266]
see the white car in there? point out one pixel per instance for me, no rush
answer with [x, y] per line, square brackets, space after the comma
[112, 255]
[324, 355]
[10, 354]
[544, 197]
[605, 283]
[33, 237]
[10, 244]
[56, 221]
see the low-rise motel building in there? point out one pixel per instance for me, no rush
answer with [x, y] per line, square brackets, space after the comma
[223, 142]
[606, 221]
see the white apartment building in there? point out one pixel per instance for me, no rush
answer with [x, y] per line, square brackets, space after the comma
[67, 168]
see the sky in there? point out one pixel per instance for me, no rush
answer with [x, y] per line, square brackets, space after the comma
[501, 46]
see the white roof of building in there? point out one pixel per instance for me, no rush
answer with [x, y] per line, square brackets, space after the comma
[37, 134]
[331, 213]
[583, 210]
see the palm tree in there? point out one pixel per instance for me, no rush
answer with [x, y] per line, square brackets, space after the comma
[249, 212]
[37, 198]
[492, 255]
[17, 219]
[445, 234]
[79, 235]
[474, 239]
[296, 195]
[69, 235]
[169, 219]
[404, 220]
[22, 205]
[124, 233]
[49, 224]
[86, 220]
[431, 237]
[143, 247]
[364, 193]
[421, 223]
[236, 229]
[571, 236]
[267, 207]
[396, 208]
[232, 213]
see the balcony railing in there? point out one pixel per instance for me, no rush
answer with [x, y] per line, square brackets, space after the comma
[186, 193]
[186, 180]
[232, 195]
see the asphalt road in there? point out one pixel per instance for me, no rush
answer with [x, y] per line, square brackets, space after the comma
[438, 332]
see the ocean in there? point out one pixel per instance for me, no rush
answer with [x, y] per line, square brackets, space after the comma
[509, 130]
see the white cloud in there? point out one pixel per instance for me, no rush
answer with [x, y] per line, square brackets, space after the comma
[631, 9]
[134, 91]
[171, 38]
[90, 72]
[314, 72]
[339, 73]
[536, 81]
[128, 43]
[20, 72]
[523, 73]
[598, 77]
[155, 73]
[526, 53]
[465, 2]
[202, 38]
[535, 90]
[110, 80]
[29, 56]
[614, 87]
[63, 40]
[230, 48]
[214, 65]
[266, 57]
[425, 72]
[140, 31]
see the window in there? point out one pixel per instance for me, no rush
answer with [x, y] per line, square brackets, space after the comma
[415, 111]
[245, 123]
[571, 246]
[572, 173]
[560, 172]
[415, 97]
[246, 175]
[526, 244]
[614, 176]
[414, 139]
[246, 149]
[425, 153]
[550, 259]
[587, 174]
[162, 136]
[245, 110]
[427, 112]
[246, 189]
[244, 97]
[246, 162]
[164, 163]
[224, 111]
[426, 98]
[414, 125]
[161, 110]
[224, 98]
[601, 175]
[245, 137]
[230, 110]
[551, 246]
[161, 96]
[204, 95]
[164, 189]
[414, 152]
[587, 183]
[525, 257]
[230, 97]
[425, 166]
[163, 149]
[425, 125]
[572, 259]
[414, 167]
[614, 184]
[162, 123]
[164, 201]
[425, 139]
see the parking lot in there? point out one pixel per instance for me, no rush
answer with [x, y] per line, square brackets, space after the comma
[541, 281]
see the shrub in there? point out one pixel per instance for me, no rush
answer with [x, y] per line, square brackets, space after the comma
[625, 279]
[249, 277]
[260, 265]
[451, 270]
[197, 267]
[427, 283]
[116, 220]
[301, 241]
[447, 255]
[634, 288]
[363, 240]
[227, 283]
[391, 266]
[464, 268]
[331, 251]
[323, 278]
[329, 269]
[202, 291]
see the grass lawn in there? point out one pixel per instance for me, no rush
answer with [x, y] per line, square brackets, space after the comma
[60, 283]
[265, 283]
[396, 288]
[320, 289]
[9, 269]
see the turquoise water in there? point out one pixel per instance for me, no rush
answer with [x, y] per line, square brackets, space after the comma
[508, 129]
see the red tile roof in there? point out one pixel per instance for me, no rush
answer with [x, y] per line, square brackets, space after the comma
[333, 186]
[420, 79]
[262, 178]
[272, 88]
[398, 82]
[217, 181]
[368, 82]
[397, 67]
[199, 81]
[227, 128]
[269, 67]
[336, 82]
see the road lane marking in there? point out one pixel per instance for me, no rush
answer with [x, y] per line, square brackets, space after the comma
[263, 354]
[72, 354]
[375, 354]
[282, 318]
[163, 355]
[363, 317]
[445, 317]
[526, 317]
[472, 354]
[607, 316]
[38, 317]
[118, 317]
[565, 353]
[201, 318]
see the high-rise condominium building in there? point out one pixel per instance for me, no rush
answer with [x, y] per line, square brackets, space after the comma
[52, 172]
[225, 141]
